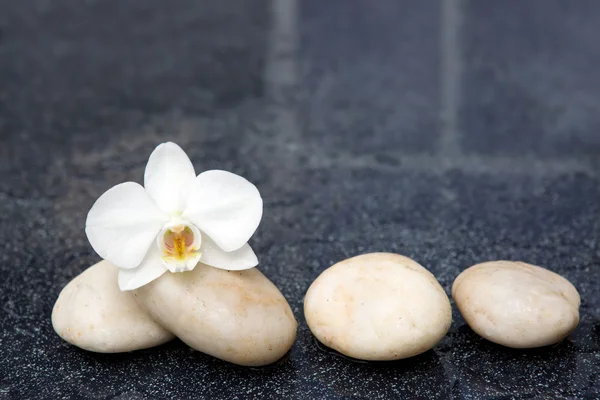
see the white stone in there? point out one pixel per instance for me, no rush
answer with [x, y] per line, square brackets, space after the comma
[93, 314]
[378, 306]
[516, 304]
[237, 316]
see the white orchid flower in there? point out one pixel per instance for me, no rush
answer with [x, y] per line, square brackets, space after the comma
[175, 221]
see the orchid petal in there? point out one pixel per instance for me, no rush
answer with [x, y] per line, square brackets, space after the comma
[242, 258]
[169, 174]
[225, 206]
[150, 269]
[122, 224]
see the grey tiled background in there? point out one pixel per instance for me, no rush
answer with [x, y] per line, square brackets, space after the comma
[450, 131]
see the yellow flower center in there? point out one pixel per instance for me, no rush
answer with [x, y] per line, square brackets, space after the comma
[180, 247]
[179, 242]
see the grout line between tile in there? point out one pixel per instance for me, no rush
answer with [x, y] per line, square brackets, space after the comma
[281, 74]
[467, 164]
[451, 74]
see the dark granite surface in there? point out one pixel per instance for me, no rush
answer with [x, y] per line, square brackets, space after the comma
[453, 132]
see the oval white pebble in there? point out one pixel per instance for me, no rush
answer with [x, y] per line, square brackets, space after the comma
[237, 316]
[93, 314]
[516, 304]
[378, 306]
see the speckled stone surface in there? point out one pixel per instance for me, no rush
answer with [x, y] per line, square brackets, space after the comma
[453, 132]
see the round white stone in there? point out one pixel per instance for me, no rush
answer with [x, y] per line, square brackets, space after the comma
[93, 314]
[516, 304]
[378, 306]
[237, 316]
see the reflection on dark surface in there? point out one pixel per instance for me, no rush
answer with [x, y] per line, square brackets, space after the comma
[495, 370]
[421, 377]
[453, 132]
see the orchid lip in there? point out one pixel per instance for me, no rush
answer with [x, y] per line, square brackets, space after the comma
[179, 243]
